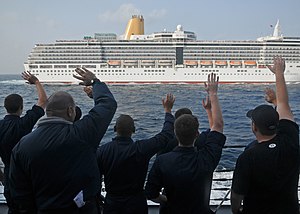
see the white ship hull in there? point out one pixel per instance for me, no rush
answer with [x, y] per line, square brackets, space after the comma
[175, 75]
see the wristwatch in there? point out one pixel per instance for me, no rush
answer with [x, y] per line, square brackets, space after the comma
[94, 80]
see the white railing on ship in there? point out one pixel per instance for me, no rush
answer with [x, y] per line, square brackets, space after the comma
[221, 184]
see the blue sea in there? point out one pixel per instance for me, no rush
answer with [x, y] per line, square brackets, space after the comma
[143, 103]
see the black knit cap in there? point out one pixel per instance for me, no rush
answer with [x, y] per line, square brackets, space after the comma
[265, 117]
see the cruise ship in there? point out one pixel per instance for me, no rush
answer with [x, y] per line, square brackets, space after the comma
[164, 57]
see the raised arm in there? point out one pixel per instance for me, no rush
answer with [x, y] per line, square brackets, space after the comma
[207, 107]
[212, 89]
[154, 144]
[93, 126]
[282, 98]
[31, 79]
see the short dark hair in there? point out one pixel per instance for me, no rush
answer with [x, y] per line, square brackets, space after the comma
[182, 111]
[186, 129]
[265, 118]
[13, 103]
[125, 125]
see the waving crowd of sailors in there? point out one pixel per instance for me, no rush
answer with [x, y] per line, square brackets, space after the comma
[58, 167]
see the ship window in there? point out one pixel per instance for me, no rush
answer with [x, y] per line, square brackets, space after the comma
[33, 66]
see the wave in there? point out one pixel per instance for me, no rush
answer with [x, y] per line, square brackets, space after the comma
[12, 82]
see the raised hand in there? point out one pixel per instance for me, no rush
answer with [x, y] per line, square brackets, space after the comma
[211, 86]
[89, 91]
[31, 79]
[86, 76]
[279, 65]
[168, 102]
[270, 96]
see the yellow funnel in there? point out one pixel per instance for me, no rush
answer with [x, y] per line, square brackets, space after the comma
[135, 26]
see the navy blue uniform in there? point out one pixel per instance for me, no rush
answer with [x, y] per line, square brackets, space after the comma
[199, 142]
[186, 175]
[12, 129]
[124, 164]
[50, 166]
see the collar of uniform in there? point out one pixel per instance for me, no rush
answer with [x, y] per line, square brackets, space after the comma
[48, 120]
[120, 139]
[185, 149]
[11, 117]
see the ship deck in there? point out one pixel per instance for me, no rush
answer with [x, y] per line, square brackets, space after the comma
[153, 209]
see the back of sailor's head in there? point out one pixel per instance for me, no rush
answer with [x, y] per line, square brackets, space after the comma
[124, 126]
[182, 111]
[13, 103]
[61, 104]
[186, 129]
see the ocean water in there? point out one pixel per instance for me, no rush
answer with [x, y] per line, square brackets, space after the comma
[143, 103]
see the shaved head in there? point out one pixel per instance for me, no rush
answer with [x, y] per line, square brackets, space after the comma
[61, 104]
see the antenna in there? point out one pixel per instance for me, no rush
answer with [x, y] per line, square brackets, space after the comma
[277, 30]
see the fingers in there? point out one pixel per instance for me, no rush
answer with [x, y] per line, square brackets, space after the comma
[168, 102]
[80, 71]
[89, 91]
[212, 83]
[78, 77]
[26, 75]
[86, 70]
[212, 78]
[270, 95]
[85, 76]
[278, 65]
[170, 98]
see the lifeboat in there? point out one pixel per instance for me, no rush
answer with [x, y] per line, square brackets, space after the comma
[220, 62]
[235, 63]
[165, 62]
[114, 62]
[190, 62]
[250, 63]
[130, 62]
[148, 62]
[204, 62]
[262, 66]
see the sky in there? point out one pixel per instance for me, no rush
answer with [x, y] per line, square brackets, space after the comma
[24, 23]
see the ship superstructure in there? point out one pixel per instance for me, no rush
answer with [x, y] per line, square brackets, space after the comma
[164, 57]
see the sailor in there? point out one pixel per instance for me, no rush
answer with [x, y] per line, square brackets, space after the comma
[185, 172]
[199, 142]
[54, 168]
[124, 163]
[266, 176]
[13, 127]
